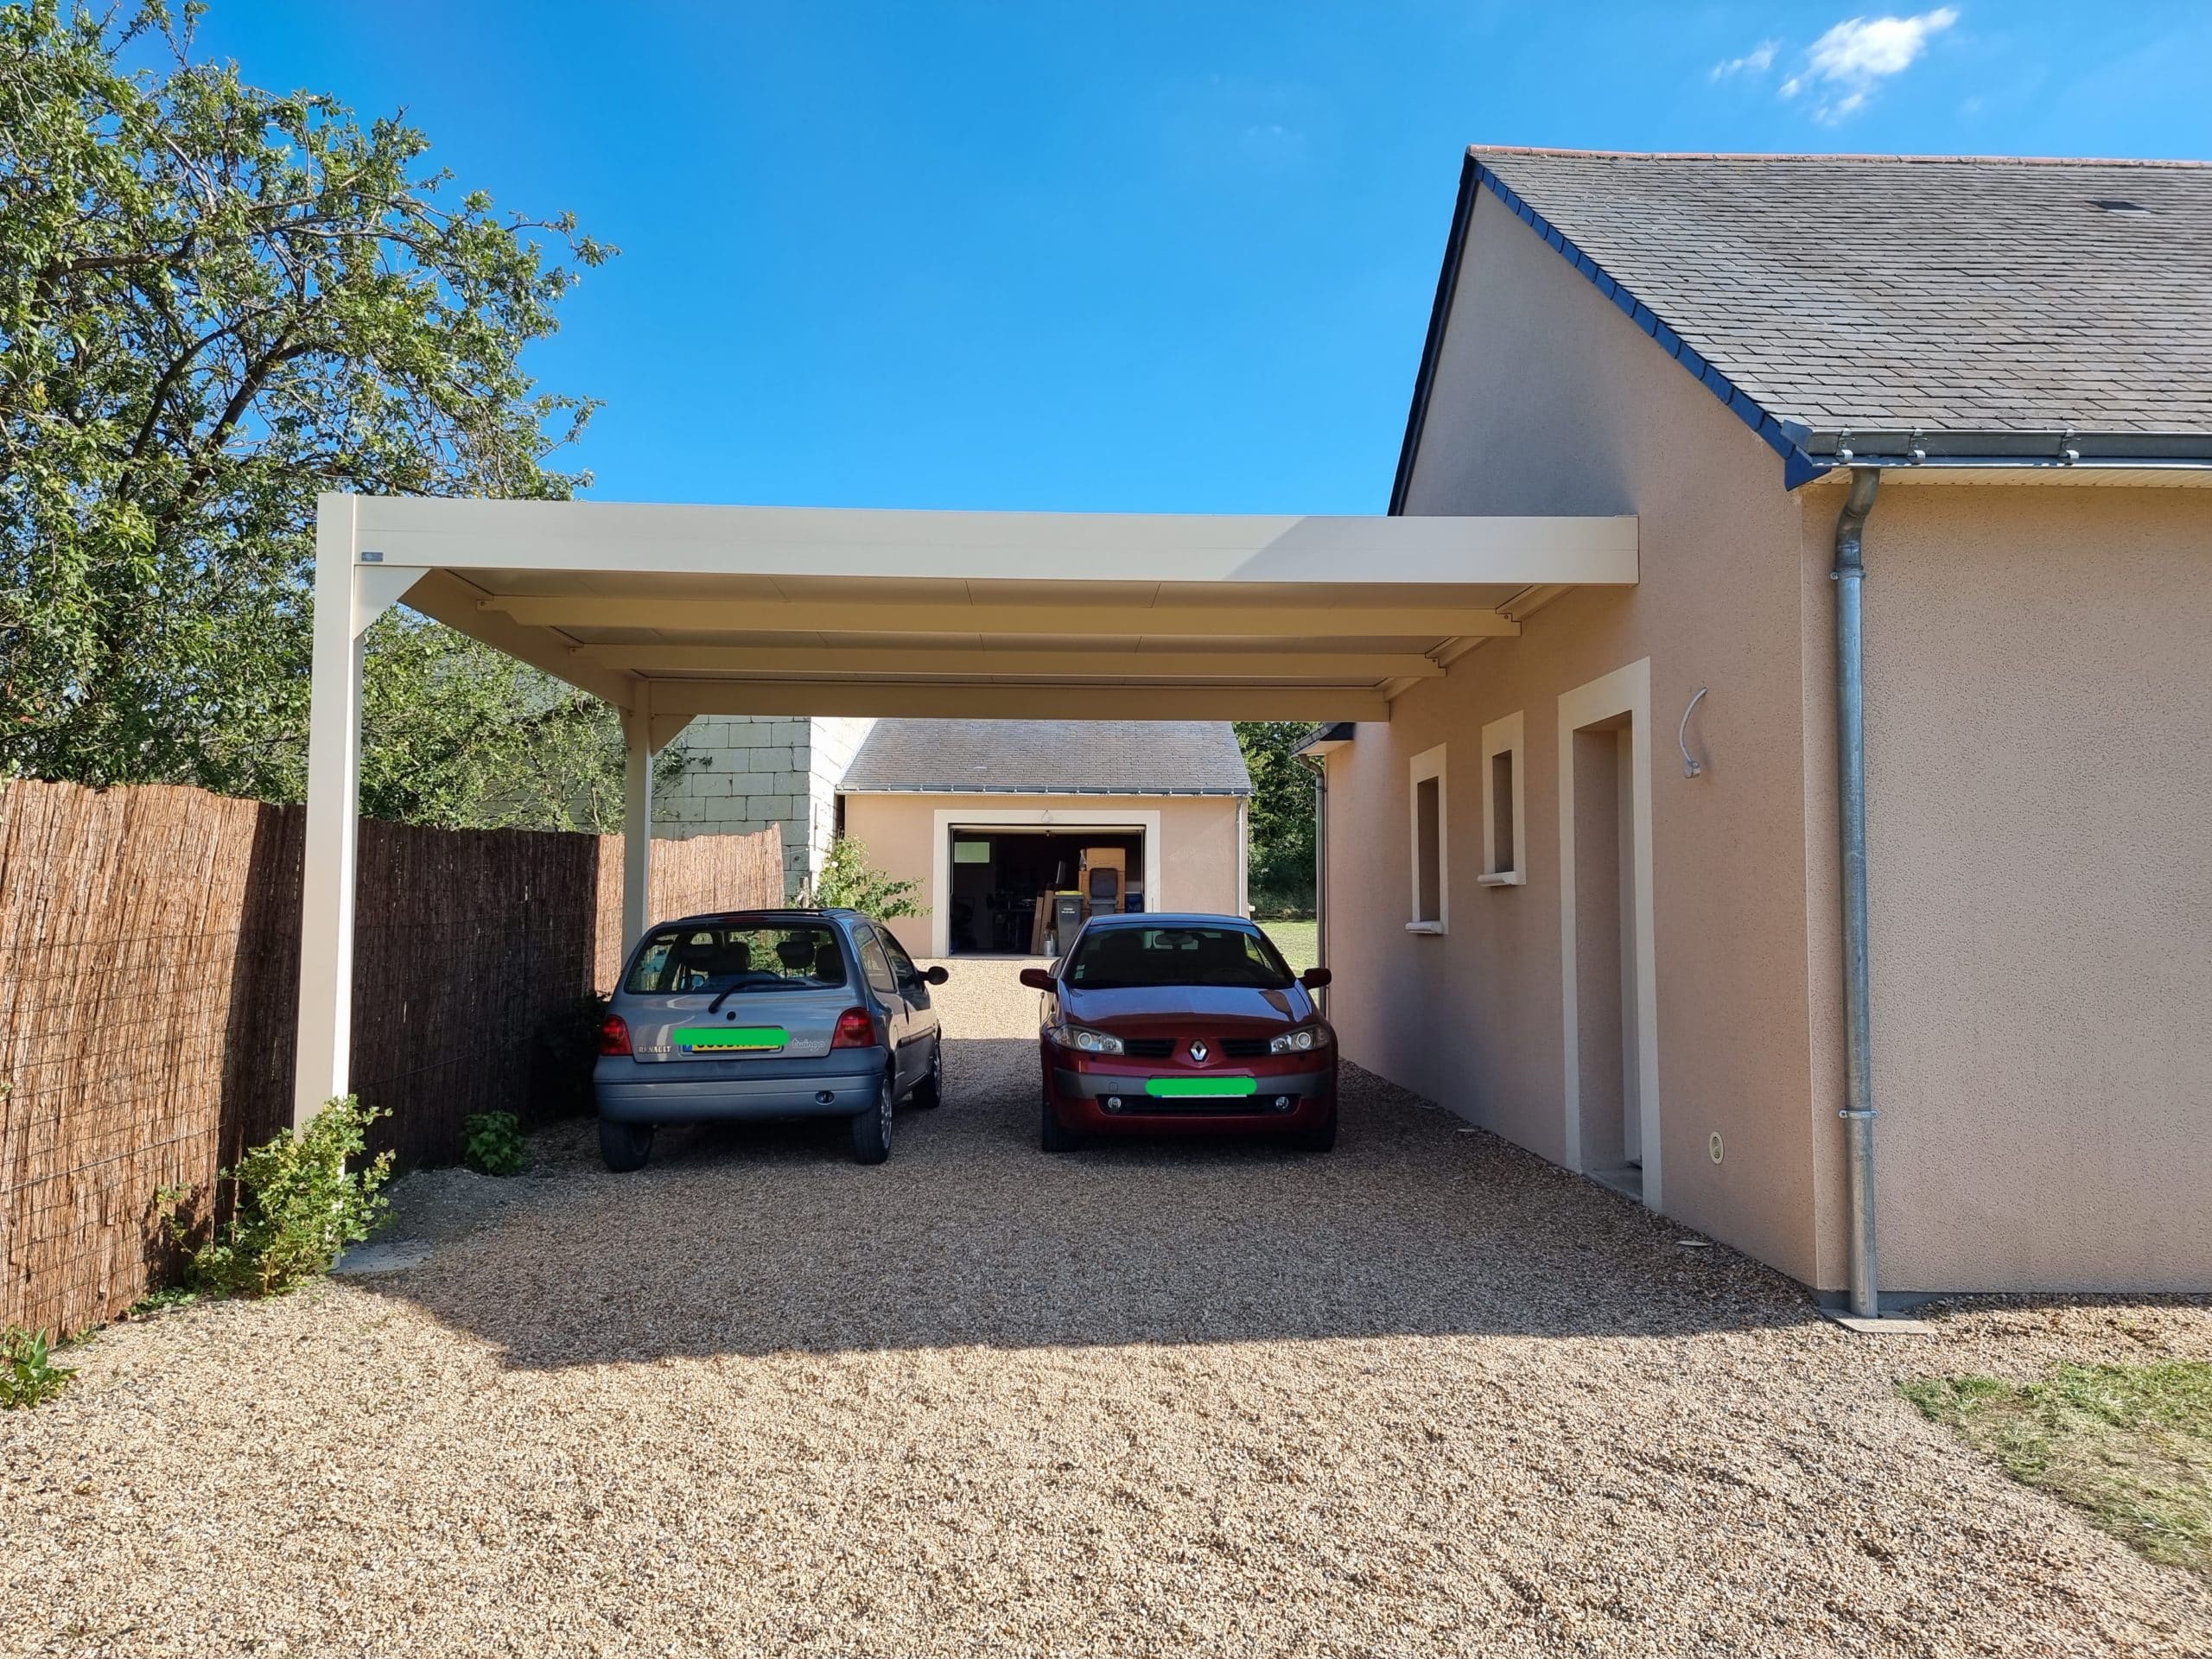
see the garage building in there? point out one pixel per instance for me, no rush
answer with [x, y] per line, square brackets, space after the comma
[989, 817]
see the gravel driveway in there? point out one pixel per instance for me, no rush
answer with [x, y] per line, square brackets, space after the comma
[1426, 1394]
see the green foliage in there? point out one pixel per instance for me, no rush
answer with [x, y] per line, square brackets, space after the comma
[1282, 821]
[296, 1205]
[2132, 1445]
[848, 881]
[160, 1301]
[216, 301]
[490, 1143]
[28, 1373]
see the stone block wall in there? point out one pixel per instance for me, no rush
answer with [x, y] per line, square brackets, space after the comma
[745, 772]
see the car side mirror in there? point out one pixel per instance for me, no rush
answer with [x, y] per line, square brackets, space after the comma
[1037, 979]
[1314, 978]
[936, 975]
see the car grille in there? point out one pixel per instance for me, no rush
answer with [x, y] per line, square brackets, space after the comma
[1229, 1048]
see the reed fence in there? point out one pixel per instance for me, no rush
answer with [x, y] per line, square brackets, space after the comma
[149, 984]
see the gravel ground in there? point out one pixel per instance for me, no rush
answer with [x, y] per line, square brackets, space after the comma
[1426, 1394]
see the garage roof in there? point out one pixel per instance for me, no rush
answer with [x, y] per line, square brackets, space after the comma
[1049, 757]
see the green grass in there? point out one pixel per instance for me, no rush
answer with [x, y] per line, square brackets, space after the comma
[2132, 1445]
[1300, 941]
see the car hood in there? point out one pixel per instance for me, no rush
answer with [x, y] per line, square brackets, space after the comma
[1155, 1006]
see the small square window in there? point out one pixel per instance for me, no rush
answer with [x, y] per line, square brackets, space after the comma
[1431, 844]
[1505, 812]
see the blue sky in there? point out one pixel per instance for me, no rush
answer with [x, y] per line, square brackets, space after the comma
[1148, 258]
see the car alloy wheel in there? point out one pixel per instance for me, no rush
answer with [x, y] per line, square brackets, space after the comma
[872, 1128]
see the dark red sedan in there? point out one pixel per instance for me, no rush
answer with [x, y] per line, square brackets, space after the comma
[1176, 1024]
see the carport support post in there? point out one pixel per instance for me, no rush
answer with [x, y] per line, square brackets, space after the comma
[636, 816]
[323, 1052]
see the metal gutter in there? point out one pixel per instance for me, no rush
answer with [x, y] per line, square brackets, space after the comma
[1041, 790]
[2048, 448]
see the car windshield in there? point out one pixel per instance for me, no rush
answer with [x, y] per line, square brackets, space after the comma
[1125, 958]
[738, 956]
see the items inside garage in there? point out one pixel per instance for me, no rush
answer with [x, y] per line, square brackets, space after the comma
[1023, 891]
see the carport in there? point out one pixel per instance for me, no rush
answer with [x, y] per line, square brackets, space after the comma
[672, 612]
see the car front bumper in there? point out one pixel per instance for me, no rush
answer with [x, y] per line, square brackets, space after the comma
[719, 1092]
[1092, 1099]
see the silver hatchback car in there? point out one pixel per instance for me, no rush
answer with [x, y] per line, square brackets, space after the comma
[764, 1013]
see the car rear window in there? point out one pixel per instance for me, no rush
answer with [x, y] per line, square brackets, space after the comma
[1124, 958]
[738, 956]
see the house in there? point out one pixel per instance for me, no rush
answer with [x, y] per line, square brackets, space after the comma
[986, 816]
[743, 772]
[1586, 888]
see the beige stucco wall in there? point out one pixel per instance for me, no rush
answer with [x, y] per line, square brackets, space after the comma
[2039, 717]
[2039, 803]
[1548, 400]
[1199, 842]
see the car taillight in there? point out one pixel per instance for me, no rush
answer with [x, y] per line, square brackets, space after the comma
[614, 1035]
[856, 1029]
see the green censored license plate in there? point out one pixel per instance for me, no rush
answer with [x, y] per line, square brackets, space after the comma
[730, 1039]
[1201, 1087]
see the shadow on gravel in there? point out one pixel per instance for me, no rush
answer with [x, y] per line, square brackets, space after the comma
[767, 1239]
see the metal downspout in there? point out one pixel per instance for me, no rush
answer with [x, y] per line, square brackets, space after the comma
[1857, 1112]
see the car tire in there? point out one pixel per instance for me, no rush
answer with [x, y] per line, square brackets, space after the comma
[1321, 1137]
[872, 1128]
[929, 1094]
[625, 1146]
[1051, 1134]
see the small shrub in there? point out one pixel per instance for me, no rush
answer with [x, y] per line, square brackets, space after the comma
[490, 1143]
[160, 1301]
[28, 1373]
[297, 1206]
[850, 881]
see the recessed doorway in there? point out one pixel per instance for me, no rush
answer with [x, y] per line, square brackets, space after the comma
[1612, 1122]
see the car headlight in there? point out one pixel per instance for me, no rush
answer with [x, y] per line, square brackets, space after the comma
[1303, 1040]
[1085, 1040]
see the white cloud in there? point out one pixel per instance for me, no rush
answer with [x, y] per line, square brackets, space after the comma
[1756, 61]
[1846, 64]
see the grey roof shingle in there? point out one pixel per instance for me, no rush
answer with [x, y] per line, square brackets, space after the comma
[1049, 757]
[1893, 292]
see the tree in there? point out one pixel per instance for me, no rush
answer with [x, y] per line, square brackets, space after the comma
[214, 303]
[1283, 825]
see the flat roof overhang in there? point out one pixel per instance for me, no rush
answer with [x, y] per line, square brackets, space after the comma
[693, 610]
[672, 612]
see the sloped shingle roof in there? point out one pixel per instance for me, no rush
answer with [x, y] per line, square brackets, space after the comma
[1883, 293]
[1049, 757]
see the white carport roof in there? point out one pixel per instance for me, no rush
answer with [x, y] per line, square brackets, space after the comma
[1111, 616]
[672, 612]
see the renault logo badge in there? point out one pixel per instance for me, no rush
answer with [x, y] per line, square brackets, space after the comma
[1198, 1052]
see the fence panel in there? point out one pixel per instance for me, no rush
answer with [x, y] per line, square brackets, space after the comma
[149, 986]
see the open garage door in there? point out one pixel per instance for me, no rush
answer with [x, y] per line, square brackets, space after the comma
[1015, 889]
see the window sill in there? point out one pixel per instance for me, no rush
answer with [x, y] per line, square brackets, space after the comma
[1501, 879]
[1424, 927]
